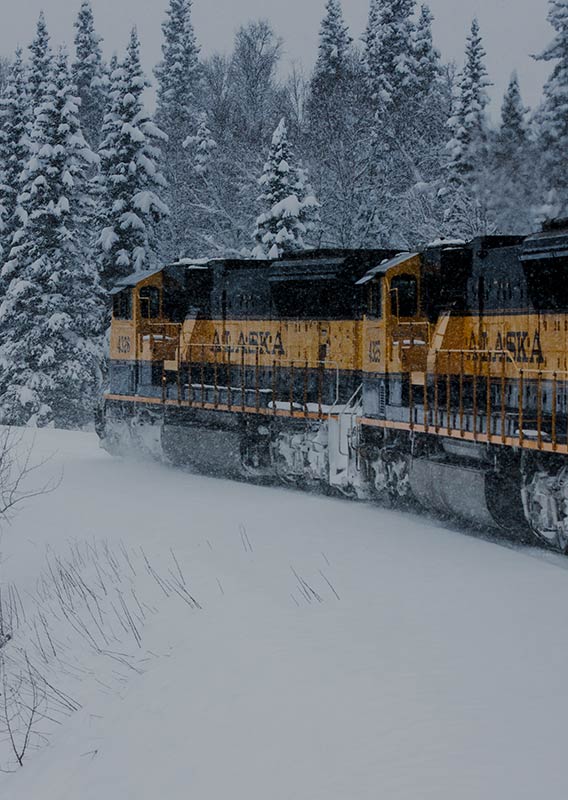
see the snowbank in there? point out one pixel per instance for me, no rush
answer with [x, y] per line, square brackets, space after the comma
[342, 652]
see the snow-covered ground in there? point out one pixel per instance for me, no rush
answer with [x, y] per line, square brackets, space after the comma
[341, 651]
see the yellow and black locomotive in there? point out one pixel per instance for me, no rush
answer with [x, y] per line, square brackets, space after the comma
[439, 375]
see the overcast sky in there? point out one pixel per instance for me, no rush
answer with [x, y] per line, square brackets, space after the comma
[512, 29]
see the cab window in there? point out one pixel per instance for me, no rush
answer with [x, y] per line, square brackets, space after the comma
[404, 296]
[122, 305]
[149, 302]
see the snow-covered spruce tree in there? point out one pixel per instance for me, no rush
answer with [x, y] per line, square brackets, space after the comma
[423, 138]
[51, 315]
[553, 116]
[336, 129]
[514, 168]
[370, 44]
[333, 60]
[468, 171]
[370, 212]
[89, 74]
[178, 77]
[40, 63]
[130, 182]
[14, 151]
[513, 132]
[389, 52]
[201, 147]
[396, 141]
[470, 125]
[5, 64]
[426, 56]
[290, 208]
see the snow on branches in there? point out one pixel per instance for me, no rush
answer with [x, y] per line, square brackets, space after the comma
[291, 210]
[553, 115]
[178, 106]
[468, 180]
[130, 182]
[14, 149]
[89, 74]
[52, 312]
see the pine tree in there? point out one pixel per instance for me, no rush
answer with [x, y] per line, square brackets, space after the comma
[370, 43]
[513, 166]
[426, 56]
[423, 136]
[178, 100]
[333, 61]
[553, 116]
[389, 52]
[335, 130]
[130, 183]
[40, 63]
[469, 124]
[467, 202]
[201, 147]
[88, 74]
[290, 208]
[406, 113]
[512, 136]
[110, 128]
[178, 73]
[14, 150]
[51, 315]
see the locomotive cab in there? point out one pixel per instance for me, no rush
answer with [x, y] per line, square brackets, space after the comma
[136, 304]
[408, 329]
[396, 331]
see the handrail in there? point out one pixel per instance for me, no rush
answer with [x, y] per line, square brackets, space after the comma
[254, 350]
[498, 377]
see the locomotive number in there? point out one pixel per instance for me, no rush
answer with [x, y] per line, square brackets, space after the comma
[375, 352]
[124, 344]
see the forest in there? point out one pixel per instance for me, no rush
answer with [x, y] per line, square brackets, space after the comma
[383, 144]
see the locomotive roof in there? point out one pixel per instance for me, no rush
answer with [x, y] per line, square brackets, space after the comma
[329, 264]
[133, 279]
[551, 243]
[385, 265]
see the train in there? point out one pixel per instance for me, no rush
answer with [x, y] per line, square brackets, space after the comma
[436, 377]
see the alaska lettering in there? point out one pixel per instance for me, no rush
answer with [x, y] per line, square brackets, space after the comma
[522, 347]
[261, 342]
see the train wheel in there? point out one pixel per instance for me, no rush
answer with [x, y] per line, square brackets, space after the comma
[390, 473]
[256, 455]
[545, 501]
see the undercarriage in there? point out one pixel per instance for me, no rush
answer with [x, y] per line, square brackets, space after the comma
[521, 494]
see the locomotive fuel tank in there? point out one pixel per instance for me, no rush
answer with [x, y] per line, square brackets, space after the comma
[475, 493]
[452, 490]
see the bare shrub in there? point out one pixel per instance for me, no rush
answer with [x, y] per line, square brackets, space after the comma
[16, 467]
[91, 603]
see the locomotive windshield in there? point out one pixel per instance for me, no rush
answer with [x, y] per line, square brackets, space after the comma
[149, 302]
[404, 296]
[122, 304]
[547, 282]
[186, 291]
